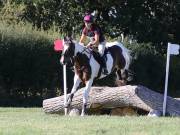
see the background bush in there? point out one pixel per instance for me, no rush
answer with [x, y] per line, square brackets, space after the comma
[29, 67]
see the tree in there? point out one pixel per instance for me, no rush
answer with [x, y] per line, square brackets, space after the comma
[145, 20]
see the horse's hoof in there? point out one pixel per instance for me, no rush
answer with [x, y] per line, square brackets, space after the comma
[130, 78]
[66, 105]
[74, 112]
[84, 114]
[120, 82]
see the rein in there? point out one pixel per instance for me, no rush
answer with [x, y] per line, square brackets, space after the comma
[87, 50]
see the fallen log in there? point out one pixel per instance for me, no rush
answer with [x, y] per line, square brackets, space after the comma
[114, 97]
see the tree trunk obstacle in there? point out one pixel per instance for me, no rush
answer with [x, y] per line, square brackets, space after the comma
[116, 98]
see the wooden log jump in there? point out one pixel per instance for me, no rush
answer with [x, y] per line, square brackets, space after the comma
[113, 97]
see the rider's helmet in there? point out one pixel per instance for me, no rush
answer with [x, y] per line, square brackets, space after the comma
[88, 18]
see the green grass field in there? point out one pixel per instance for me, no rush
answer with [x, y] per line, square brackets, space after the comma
[33, 121]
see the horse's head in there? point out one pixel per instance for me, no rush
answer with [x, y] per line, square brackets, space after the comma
[68, 52]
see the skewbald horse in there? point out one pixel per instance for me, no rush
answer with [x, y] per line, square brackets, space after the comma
[87, 67]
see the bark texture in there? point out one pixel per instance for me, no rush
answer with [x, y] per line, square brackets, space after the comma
[115, 97]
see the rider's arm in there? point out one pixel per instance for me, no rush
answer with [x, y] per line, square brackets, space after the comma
[96, 40]
[95, 43]
[83, 38]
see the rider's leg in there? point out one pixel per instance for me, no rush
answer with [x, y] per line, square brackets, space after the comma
[101, 49]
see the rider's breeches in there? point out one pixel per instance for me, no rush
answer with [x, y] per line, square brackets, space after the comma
[101, 48]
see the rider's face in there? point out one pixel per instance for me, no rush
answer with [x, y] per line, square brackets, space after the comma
[88, 24]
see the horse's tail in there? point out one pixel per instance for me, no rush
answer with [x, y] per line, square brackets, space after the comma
[128, 58]
[127, 55]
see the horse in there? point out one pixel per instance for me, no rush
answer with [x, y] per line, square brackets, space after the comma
[87, 67]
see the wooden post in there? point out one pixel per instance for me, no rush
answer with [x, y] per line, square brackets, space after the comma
[65, 88]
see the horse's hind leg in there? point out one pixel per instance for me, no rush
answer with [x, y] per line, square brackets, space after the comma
[127, 75]
[124, 74]
[121, 77]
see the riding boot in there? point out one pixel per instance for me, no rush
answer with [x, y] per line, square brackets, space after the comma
[105, 71]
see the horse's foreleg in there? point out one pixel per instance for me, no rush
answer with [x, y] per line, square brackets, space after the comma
[85, 96]
[74, 89]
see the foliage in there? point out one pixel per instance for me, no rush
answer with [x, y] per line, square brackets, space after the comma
[146, 20]
[12, 13]
[44, 14]
[29, 67]
[148, 66]
[174, 74]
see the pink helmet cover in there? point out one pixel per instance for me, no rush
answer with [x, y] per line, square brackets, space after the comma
[88, 18]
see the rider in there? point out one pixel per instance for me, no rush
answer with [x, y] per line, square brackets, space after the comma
[94, 33]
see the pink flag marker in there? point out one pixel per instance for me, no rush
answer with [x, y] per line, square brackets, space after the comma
[58, 45]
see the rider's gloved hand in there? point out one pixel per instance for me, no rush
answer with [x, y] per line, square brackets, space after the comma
[81, 43]
[89, 45]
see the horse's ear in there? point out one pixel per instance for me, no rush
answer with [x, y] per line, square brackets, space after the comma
[68, 39]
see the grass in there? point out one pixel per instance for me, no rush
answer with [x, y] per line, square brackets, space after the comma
[33, 121]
